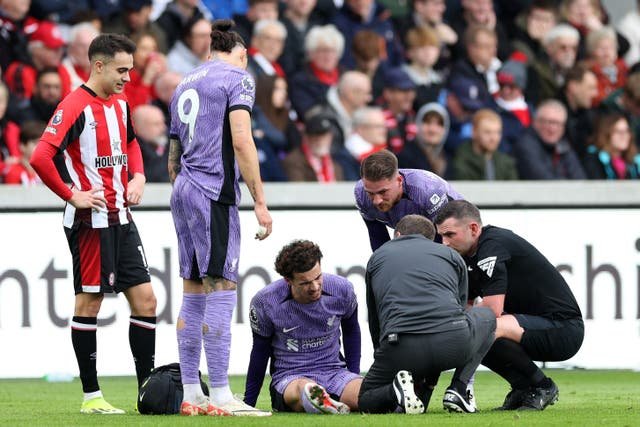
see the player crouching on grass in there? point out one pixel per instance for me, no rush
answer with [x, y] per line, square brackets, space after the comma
[297, 322]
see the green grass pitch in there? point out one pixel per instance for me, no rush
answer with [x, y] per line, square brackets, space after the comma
[587, 398]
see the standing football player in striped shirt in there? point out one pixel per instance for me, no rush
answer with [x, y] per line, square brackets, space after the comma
[92, 128]
[210, 145]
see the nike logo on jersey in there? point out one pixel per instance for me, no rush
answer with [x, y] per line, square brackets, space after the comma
[287, 330]
[487, 265]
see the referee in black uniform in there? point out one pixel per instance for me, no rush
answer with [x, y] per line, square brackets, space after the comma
[538, 316]
[416, 298]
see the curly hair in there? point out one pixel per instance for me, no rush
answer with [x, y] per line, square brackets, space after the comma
[298, 256]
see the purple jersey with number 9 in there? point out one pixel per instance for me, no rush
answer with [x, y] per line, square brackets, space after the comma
[200, 110]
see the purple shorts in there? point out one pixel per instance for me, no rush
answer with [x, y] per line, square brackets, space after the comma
[333, 380]
[208, 234]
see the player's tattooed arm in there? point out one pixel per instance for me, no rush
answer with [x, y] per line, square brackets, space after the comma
[175, 152]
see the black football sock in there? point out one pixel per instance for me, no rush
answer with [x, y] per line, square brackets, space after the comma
[514, 353]
[501, 360]
[142, 340]
[459, 386]
[83, 337]
[544, 382]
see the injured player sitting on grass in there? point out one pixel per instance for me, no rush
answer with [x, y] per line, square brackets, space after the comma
[297, 321]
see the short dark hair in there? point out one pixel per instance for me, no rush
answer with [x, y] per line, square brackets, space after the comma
[458, 209]
[223, 39]
[416, 224]
[31, 129]
[433, 115]
[548, 5]
[576, 73]
[378, 166]
[45, 71]
[298, 256]
[255, 2]
[107, 45]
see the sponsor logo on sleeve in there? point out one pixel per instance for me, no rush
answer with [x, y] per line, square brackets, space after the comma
[253, 318]
[51, 129]
[57, 118]
[245, 97]
[437, 201]
[487, 265]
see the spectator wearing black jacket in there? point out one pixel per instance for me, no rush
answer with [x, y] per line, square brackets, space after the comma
[543, 152]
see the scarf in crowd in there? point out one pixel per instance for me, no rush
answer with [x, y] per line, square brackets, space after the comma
[323, 167]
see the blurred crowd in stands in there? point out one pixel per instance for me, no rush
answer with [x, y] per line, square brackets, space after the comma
[467, 89]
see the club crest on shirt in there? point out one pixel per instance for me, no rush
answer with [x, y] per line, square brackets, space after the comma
[248, 84]
[57, 118]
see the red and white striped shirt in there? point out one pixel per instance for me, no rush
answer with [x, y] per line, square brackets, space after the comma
[97, 139]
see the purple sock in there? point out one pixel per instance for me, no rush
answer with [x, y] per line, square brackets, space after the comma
[190, 337]
[217, 336]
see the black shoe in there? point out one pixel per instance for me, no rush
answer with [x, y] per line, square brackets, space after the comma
[514, 399]
[454, 402]
[407, 399]
[540, 397]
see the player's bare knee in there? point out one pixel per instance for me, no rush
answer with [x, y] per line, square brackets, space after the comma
[88, 305]
[214, 284]
[180, 324]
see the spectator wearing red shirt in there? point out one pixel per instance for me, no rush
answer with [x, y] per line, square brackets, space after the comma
[148, 64]
[399, 93]
[9, 133]
[46, 48]
[611, 71]
[21, 172]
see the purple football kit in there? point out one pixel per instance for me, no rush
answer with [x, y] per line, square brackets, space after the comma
[206, 191]
[305, 338]
[423, 193]
[205, 214]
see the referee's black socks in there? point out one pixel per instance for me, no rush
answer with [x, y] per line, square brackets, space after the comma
[508, 359]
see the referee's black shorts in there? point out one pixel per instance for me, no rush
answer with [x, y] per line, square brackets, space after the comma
[108, 259]
[548, 340]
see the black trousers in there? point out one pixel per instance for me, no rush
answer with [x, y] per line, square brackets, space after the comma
[544, 340]
[426, 356]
